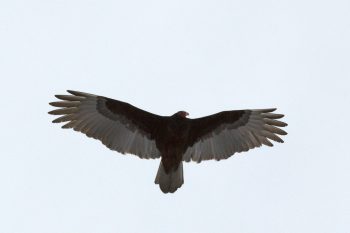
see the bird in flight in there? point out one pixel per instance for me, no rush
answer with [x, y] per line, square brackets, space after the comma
[125, 128]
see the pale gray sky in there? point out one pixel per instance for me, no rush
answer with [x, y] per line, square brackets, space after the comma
[165, 56]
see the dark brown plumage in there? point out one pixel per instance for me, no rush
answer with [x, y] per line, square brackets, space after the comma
[127, 129]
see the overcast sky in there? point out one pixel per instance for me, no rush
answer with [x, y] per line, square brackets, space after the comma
[165, 56]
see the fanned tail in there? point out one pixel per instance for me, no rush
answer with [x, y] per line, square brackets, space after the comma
[171, 181]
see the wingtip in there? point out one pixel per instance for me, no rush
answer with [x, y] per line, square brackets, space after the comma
[79, 93]
[72, 92]
[270, 109]
[265, 110]
[59, 96]
[52, 104]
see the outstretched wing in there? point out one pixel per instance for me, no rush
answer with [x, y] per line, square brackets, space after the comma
[118, 125]
[221, 135]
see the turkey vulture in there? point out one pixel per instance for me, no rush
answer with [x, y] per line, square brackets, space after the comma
[176, 138]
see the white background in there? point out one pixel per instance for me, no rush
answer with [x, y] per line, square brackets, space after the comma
[165, 56]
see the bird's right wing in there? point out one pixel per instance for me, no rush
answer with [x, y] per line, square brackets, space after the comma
[220, 135]
[118, 125]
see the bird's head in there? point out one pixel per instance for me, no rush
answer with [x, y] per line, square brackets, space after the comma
[182, 114]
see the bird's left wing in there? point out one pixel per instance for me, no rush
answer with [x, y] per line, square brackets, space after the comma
[220, 135]
[118, 125]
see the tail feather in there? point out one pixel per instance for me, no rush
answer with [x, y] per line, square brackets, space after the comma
[169, 182]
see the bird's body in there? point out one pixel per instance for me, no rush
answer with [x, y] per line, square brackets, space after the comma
[172, 143]
[172, 146]
[174, 139]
